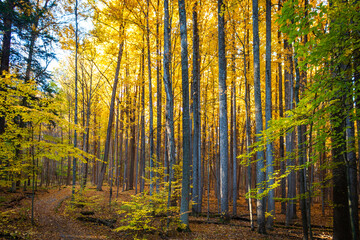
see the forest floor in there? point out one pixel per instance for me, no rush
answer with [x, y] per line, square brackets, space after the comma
[56, 218]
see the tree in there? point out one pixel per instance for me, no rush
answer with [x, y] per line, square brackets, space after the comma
[111, 118]
[260, 175]
[151, 130]
[196, 163]
[223, 125]
[268, 116]
[76, 96]
[185, 191]
[8, 8]
[170, 144]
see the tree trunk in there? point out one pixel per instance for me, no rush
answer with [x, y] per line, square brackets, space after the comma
[341, 217]
[132, 147]
[151, 128]
[248, 136]
[223, 119]
[68, 178]
[111, 119]
[76, 97]
[301, 159]
[196, 169]
[158, 94]
[142, 163]
[260, 175]
[268, 116]
[352, 176]
[281, 114]
[185, 191]
[233, 123]
[290, 214]
[169, 98]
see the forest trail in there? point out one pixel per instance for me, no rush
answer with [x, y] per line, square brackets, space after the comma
[55, 226]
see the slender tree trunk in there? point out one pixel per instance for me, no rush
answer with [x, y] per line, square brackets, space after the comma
[126, 160]
[289, 136]
[158, 93]
[281, 140]
[185, 191]
[118, 133]
[223, 119]
[301, 159]
[196, 169]
[268, 116]
[352, 176]
[233, 124]
[151, 128]
[260, 175]
[115, 152]
[69, 158]
[132, 147]
[121, 130]
[169, 98]
[248, 136]
[142, 163]
[111, 119]
[87, 133]
[137, 156]
[76, 96]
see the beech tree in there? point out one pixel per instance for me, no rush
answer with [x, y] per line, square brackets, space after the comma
[223, 114]
[185, 191]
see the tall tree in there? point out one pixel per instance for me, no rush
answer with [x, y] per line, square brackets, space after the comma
[185, 191]
[170, 141]
[142, 164]
[76, 96]
[111, 118]
[7, 19]
[289, 139]
[268, 116]
[260, 175]
[196, 163]
[223, 125]
[151, 128]
[281, 114]
[158, 90]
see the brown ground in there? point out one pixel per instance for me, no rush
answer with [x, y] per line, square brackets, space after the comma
[55, 220]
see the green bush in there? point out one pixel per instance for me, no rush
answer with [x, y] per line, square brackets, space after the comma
[146, 214]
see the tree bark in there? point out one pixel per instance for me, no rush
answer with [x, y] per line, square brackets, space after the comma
[341, 216]
[76, 97]
[268, 116]
[158, 94]
[151, 128]
[260, 175]
[170, 142]
[290, 214]
[281, 114]
[185, 191]
[196, 169]
[223, 119]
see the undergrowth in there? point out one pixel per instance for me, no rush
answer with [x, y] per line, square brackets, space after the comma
[150, 213]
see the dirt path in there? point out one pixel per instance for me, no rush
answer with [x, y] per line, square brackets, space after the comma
[54, 226]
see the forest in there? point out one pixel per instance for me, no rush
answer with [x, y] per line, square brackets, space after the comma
[197, 119]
